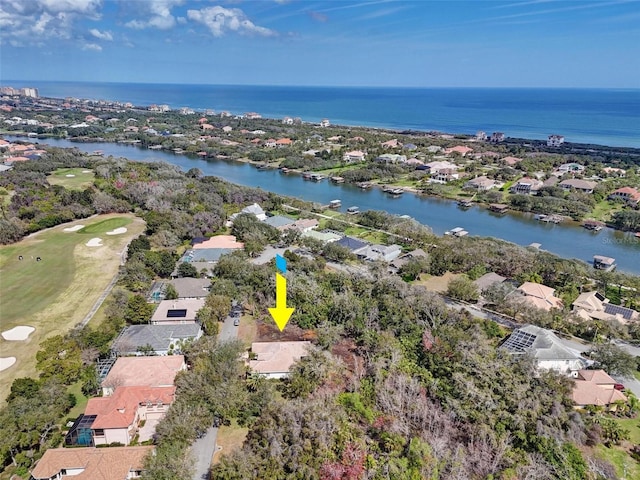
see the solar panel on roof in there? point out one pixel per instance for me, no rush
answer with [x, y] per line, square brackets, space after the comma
[519, 341]
[618, 310]
[177, 313]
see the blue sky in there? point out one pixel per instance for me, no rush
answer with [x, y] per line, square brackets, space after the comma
[478, 43]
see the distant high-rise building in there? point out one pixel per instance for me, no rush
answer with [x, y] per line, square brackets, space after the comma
[29, 92]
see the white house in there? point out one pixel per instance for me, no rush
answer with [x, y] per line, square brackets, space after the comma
[555, 140]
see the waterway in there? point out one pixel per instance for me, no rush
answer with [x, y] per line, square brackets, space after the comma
[567, 240]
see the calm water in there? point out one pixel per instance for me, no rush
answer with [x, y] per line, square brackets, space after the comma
[567, 240]
[598, 116]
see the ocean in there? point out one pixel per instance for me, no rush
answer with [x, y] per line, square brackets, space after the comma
[597, 116]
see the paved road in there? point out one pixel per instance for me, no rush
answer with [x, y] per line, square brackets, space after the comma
[204, 448]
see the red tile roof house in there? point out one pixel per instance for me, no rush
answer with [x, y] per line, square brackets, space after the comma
[155, 371]
[116, 463]
[595, 387]
[539, 296]
[118, 417]
[462, 150]
[354, 156]
[275, 359]
[627, 194]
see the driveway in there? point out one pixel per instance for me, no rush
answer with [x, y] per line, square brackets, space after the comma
[203, 450]
[268, 254]
[228, 331]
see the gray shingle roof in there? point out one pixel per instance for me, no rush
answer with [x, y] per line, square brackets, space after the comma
[160, 337]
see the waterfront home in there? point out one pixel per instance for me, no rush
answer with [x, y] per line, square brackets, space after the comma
[595, 387]
[152, 371]
[275, 359]
[135, 340]
[253, 209]
[629, 195]
[178, 311]
[601, 262]
[324, 237]
[351, 243]
[436, 167]
[481, 136]
[487, 280]
[545, 347]
[539, 296]
[91, 463]
[287, 121]
[444, 176]
[555, 140]
[497, 137]
[279, 221]
[355, 156]
[325, 122]
[117, 418]
[481, 184]
[398, 263]
[593, 305]
[526, 186]
[302, 225]
[570, 168]
[577, 184]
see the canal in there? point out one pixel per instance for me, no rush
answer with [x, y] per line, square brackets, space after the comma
[567, 240]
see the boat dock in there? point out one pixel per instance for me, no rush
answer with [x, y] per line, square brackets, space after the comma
[553, 218]
[457, 232]
[353, 210]
[393, 190]
[499, 208]
[337, 179]
[601, 262]
[594, 225]
[335, 204]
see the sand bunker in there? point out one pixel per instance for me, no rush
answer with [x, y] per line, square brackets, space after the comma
[94, 242]
[18, 333]
[6, 362]
[86, 171]
[117, 231]
[75, 228]
[70, 175]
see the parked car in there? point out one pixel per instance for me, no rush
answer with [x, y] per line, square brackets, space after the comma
[236, 322]
[618, 386]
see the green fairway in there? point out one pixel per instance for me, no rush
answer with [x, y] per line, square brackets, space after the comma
[72, 178]
[106, 225]
[56, 293]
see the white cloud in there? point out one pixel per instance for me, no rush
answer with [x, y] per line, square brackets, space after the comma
[159, 12]
[220, 20]
[101, 35]
[31, 21]
[92, 46]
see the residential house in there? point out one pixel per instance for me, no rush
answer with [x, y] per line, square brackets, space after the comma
[116, 418]
[444, 176]
[593, 305]
[496, 137]
[397, 263]
[526, 186]
[545, 347]
[252, 116]
[254, 209]
[275, 359]
[351, 243]
[595, 387]
[459, 149]
[202, 255]
[539, 296]
[152, 371]
[436, 167]
[161, 339]
[303, 225]
[577, 184]
[287, 121]
[324, 237]
[570, 168]
[487, 280]
[284, 142]
[385, 253]
[555, 140]
[355, 156]
[175, 312]
[619, 172]
[325, 122]
[91, 463]
[481, 184]
[191, 287]
[227, 129]
[481, 136]
[627, 194]
[271, 143]
[279, 221]
[391, 143]
[391, 158]
[511, 161]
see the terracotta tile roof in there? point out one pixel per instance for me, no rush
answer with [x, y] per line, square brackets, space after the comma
[599, 377]
[113, 463]
[119, 410]
[277, 357]
[540, 296]
[590, 393]
[145, 371]
[220, 241]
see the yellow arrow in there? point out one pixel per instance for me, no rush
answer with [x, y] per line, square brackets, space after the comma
[281, 313]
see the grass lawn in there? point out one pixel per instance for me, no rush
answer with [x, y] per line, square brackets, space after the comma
[636, 374]
[230, 439]
[81, 400]
[54, 294]
[436, 284]
[82, 178]
[605, 209]
[105, 226]
[633, 425]
[248, 329]
[626, 467]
